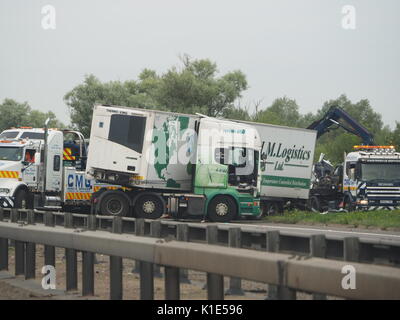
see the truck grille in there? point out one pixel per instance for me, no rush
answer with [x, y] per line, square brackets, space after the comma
[383, 196]
[383, 192]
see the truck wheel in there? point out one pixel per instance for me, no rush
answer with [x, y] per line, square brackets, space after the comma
[222, 209]
[114, 204]
[22, 200]
[315, 204]
[149, 206]
[273, 208]
[348, 205]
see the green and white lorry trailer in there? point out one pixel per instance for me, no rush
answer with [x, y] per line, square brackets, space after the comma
[170, 163]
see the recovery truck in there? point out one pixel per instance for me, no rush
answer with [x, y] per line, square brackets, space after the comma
[40, 168]
[170, 163]
[369, 177]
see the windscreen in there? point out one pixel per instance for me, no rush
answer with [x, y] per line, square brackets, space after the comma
[11, 153]
[8, 135]
[380, 171]
[127, 131]
[32, 135]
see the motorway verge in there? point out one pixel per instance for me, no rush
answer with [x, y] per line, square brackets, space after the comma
[383, 219]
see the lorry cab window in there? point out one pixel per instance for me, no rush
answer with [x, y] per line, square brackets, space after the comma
[56, 163]
[30, 155]
[11, 153]
[380, 171]
[242, 164]
[9, 135]
[32, 135]
[127, 131]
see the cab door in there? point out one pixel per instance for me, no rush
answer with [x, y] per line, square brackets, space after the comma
[29, 169]
[54, 161]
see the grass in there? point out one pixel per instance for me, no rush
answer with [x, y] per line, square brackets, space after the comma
[383, 219]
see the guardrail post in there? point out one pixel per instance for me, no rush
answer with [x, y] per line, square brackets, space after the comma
[279, 292]
[139, 231]
[71, 262]
[182, 234]
[284, 293]
[351, 249]
[19, 257]
[146, 269]
[318, 249]
[272, 245]
[19, 247]
[92, 226]
[3, 247]
[30, 217]
[30, 260]
[155, 232]
[3, 254]
[49, 251]
[172, 283]
[235, 284]
[14, 215]
[88, 261]
[30, 251]
[146, 280]
[116, 287]
[215, 282]
[87, 273]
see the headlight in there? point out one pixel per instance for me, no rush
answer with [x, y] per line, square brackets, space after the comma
[4, 190]
[364, 202]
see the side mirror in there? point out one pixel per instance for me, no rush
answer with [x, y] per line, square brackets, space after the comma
[37, 158]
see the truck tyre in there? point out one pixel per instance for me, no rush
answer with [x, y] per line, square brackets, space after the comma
[348, 204]
[149, 206]
[22, 200]
[273, 208]
[315, 204]
[114, 204]
[222, 209]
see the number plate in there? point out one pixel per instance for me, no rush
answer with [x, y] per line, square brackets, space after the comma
[386, 201]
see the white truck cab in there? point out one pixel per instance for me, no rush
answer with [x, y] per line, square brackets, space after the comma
[371, 178]
[27, 169]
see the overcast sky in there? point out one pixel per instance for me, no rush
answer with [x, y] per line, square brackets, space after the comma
[296, 48]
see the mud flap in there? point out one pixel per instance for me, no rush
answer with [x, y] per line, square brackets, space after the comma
[7, 202]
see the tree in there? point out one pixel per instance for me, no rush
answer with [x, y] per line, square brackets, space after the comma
[37, 119]
[193, 88]
[283, 111]
[16, 114]
[395, 137]
[13, 114]
[236, 113]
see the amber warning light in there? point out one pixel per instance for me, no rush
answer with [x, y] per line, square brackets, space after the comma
[374, 147]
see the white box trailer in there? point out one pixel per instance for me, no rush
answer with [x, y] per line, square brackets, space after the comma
[286, 164]
[142, 145]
